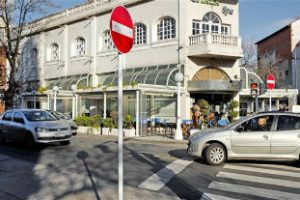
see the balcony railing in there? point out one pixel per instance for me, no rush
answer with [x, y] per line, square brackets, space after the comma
[210, 38]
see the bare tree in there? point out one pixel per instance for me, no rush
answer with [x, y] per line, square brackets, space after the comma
[15, 16]
[249, 60]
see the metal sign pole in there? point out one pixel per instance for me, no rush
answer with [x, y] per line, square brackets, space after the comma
[270, 100]
[120, 124]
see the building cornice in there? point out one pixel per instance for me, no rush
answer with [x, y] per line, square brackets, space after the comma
[77, 14]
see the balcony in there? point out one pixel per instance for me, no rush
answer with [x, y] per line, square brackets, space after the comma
[209, 45]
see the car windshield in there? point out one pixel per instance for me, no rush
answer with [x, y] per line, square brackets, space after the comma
[36, 116]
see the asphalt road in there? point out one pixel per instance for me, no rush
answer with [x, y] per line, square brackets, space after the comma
[88, 169]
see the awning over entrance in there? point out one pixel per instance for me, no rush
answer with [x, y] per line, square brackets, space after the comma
[65, 83]
[154, 75]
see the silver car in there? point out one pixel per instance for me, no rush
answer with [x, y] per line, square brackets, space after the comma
[33, 126]
[268, 135]
[66, 119]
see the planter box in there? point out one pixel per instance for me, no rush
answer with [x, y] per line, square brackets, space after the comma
[129, 132]
[83, 130]
[114, 132]
[105, 131]
[96, 131]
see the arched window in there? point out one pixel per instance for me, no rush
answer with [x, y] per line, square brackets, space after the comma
[140, 34]
[166, 29]
[34, 55]
[80, 46]
[107, 43]
[54, 51]
[211, 23]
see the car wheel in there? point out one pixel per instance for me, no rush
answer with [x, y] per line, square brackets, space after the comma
[215, 154]
[65, 142]
[29, 140]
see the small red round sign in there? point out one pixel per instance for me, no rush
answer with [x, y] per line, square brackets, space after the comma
[270, 81]
[121, 29]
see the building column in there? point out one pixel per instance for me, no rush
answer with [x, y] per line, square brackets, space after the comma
[48, 101]
[66, 50]
[94, 51]
[137, 114]
[104, 105]
[73, 106]
[277, 104]
[263, 105]
[76, 105]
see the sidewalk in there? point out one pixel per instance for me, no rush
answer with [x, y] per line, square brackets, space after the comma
[158, 138]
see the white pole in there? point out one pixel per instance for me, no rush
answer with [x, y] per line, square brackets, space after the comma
[54, 101]
[22, 101]
[104, 105]
[270, 100]
[120, 133]
[137, 121]
[178, 134]
[48, 99]
[73, 106]
[296, 81]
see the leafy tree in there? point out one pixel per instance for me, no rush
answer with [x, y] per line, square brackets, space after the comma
[15, 18]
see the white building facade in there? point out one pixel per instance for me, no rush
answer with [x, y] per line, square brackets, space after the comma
[74, 48]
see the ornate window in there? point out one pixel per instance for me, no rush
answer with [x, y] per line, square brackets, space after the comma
[80, 46]
[107, 43]
[54, 51]
[34, 55]
[166, 29]
[210, 23]
[140, 32]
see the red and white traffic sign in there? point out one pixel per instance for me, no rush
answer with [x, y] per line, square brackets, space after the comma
[121, 29]
[270, 81]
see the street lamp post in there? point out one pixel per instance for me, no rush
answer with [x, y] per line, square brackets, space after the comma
[55, 91]
[73, 88]
[34, 98]
[178, 134]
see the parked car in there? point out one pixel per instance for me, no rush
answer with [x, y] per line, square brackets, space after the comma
[267, 135]
[65, 118]
[33, 126]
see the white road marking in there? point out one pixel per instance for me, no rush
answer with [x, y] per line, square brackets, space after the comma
[208, 196]
[261, 170]
[121, 29]
[257, 179]
[163, 176]
[267, 193]
[276, 166]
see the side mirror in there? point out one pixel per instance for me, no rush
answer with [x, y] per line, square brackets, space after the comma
[240, 129]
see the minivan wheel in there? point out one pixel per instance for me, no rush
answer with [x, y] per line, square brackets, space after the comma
[215, 154]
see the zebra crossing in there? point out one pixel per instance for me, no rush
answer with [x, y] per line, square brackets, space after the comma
[269, 181]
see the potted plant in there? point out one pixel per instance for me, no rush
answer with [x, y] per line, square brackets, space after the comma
[84, 124]
[129, 130]
[106, 126]
[96, 123]
[114, 120]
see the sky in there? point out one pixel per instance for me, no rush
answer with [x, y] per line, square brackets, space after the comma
[258, 18]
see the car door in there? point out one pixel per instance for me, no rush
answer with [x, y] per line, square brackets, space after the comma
[7, 125]
[19, 129]
[286, 139]
[251, 140]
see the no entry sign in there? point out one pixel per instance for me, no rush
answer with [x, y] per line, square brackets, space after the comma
[121, 29]
[270, 81]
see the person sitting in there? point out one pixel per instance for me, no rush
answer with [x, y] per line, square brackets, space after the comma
[223, 121]
[262, 124]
